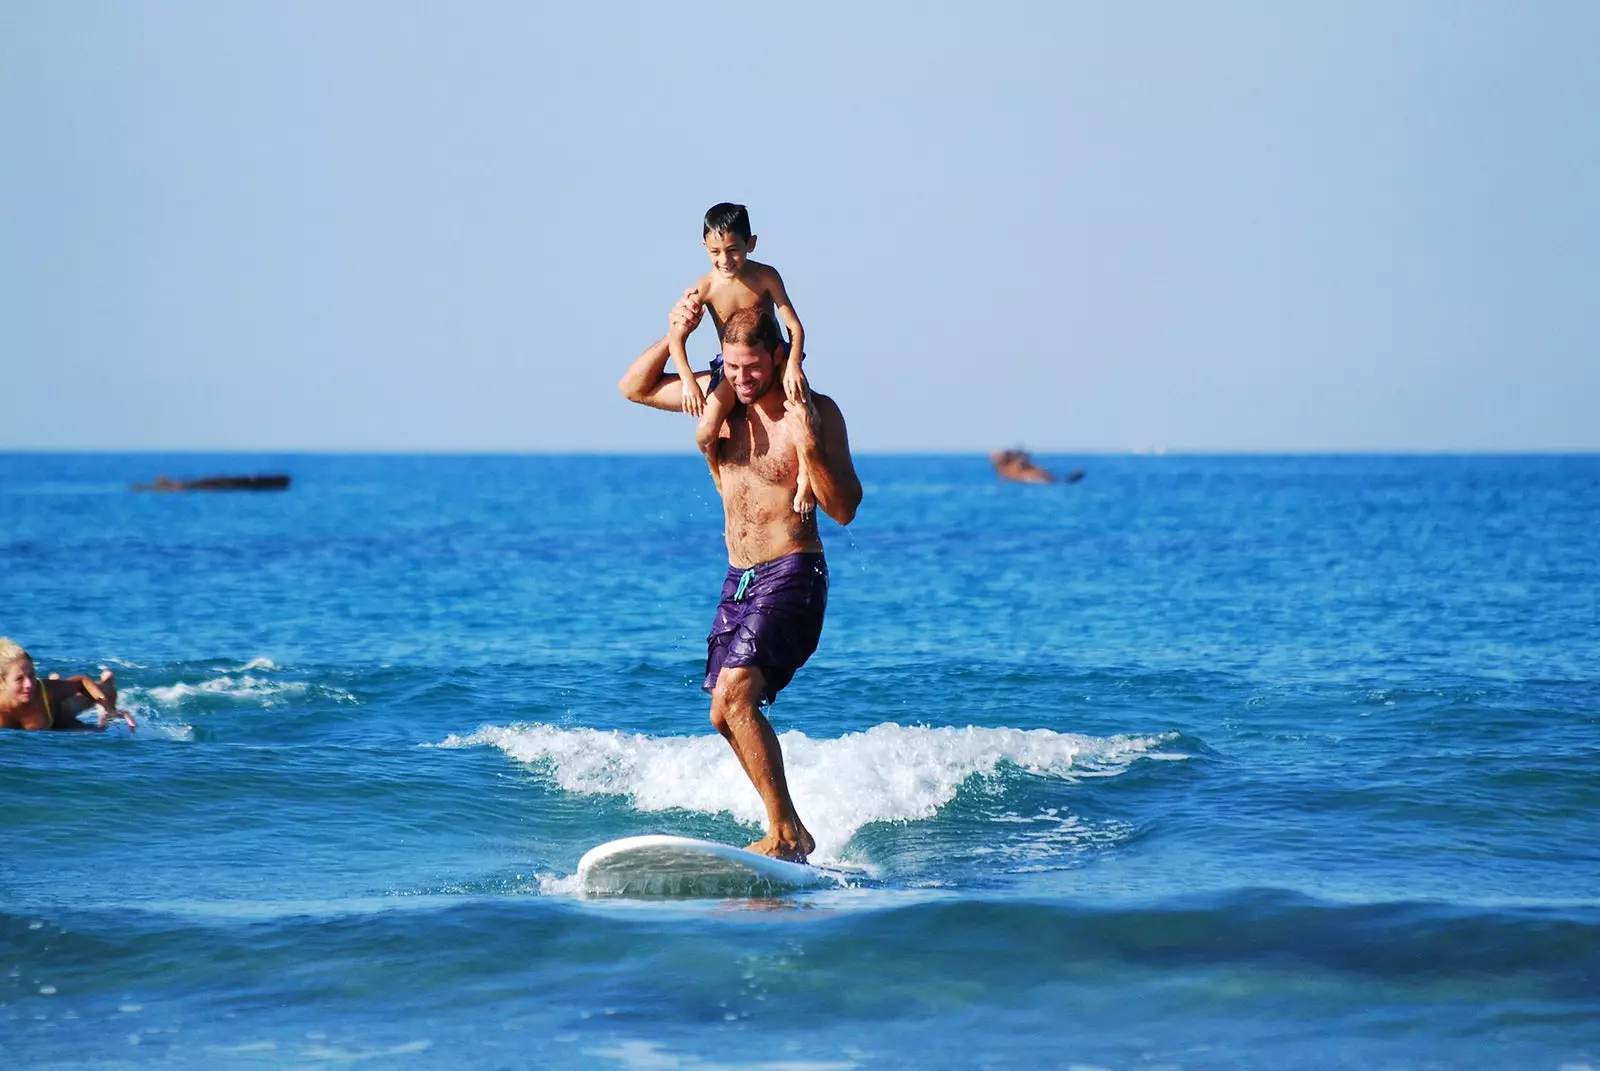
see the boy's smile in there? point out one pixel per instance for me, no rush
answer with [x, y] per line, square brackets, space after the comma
[728, 252]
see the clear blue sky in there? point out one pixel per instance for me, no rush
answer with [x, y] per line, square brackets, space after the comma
[448, 226]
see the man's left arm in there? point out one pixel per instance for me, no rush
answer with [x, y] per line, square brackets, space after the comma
[825, 445]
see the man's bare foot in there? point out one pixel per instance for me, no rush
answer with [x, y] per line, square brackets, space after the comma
[770, 845]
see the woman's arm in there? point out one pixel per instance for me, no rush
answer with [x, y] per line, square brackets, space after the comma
[68, 698]
[71, 696]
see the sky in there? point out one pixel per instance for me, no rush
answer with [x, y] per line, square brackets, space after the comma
[1076, 227]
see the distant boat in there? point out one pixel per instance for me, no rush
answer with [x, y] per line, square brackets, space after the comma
[273, 482]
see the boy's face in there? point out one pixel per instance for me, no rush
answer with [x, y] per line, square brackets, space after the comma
[728, 252]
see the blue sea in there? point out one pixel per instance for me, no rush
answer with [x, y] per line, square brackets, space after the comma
[1202, 762]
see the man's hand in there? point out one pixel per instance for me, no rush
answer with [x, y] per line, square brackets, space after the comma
[688, 311]
[804, 414]
[795, 387]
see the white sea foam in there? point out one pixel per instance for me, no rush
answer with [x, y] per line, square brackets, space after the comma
[888, 773]
[650, 1056]
[321, 1052]
[152, 724]
[227, 685]
[243, 686]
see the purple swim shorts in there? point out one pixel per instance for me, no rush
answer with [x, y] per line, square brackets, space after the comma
[770, 617]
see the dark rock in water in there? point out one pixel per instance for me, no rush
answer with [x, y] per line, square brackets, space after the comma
[218, 483]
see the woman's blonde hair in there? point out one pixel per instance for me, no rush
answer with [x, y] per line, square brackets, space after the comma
[10, 651]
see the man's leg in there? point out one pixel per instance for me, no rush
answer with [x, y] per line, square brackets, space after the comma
[736, 714]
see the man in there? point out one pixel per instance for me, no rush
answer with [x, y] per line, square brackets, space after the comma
[776, 590]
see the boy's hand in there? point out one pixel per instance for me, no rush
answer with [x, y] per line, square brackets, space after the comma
[795, 387]
[694, 399]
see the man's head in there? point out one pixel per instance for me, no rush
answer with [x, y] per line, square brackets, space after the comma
[728, 239]
[16, 673]
[750, 344]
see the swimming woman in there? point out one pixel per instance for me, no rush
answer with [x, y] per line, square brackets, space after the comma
[26, 702]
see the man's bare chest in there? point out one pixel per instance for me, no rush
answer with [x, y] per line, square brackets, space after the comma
[761, 453]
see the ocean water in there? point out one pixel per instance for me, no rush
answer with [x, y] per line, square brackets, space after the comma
[1203, 762]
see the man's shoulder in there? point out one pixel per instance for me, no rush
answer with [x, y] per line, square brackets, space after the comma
[824, 401]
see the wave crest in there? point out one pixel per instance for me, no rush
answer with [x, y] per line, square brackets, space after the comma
[889, 773]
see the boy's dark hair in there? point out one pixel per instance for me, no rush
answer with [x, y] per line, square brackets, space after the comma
[727, 218]
[755, 327]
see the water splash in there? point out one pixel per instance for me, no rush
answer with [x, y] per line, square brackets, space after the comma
[889, 773]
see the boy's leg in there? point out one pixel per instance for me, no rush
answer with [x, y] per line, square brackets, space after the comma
[804, 500]
[796, 387]
[708, 433]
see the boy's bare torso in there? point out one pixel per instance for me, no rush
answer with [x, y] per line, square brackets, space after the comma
[751, 288]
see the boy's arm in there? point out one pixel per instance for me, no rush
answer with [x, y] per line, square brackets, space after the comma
[793, 377]
[693, 397]
[646, 381]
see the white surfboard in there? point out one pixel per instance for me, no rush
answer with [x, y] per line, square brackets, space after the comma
[659, 865]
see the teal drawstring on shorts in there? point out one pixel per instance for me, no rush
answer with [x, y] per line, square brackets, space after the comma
[744, 582]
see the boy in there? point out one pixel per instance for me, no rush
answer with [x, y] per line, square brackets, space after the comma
[735, 282]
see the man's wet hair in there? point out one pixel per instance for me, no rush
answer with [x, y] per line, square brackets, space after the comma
[727, 218]
[755, 327]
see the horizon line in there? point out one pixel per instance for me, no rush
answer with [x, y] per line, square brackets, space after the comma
[895, 452]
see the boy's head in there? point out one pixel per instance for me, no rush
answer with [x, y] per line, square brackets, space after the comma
[728, 238]
[729, 219]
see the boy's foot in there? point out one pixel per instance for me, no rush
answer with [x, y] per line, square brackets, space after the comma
[804, 500]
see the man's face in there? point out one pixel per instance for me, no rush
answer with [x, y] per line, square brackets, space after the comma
[17, 683]
[749, 370]
[728, 253]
